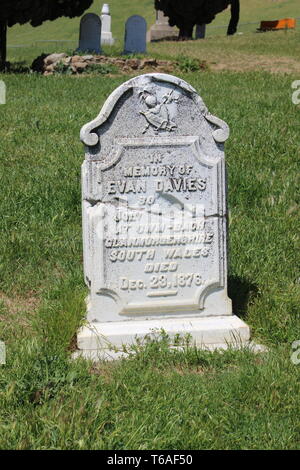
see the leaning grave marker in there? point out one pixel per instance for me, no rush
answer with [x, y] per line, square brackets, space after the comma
[154, 218]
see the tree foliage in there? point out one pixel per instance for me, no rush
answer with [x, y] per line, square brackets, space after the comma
[35, 12]
[185, 14]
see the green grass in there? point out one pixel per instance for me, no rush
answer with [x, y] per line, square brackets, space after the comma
[67, 29]
[157, 399]
[274, 51]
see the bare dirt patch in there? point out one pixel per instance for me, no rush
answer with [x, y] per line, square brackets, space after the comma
[19, 304]
[250, 62]
[16, 311]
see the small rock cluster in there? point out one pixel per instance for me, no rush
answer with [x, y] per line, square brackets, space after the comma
[76, 64]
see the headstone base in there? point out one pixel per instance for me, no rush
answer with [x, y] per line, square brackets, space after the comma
[106, 340]
[107, 39]
[157, 32]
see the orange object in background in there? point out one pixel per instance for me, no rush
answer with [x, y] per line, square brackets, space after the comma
[286, 23]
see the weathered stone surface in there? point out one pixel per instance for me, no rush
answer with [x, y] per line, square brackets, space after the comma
[133, 63]
[161, 29]
[135, 35]
[76, 58]
[54, 58]
[79, 66]
[50, 68]
[90, 33]
[87, 57]
[106, 34]
[154, 213]
[208, 331]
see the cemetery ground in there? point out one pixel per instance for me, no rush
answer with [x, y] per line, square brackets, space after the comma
[156, 399]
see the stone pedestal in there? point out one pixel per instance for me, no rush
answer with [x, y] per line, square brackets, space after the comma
[106, 35]
[206, 333]
[161, 29]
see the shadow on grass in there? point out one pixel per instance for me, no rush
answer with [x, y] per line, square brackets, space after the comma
[242, 293]
[16, 67]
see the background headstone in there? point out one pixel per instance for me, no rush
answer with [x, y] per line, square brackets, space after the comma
[106, 35]
[200, 31]
[154, 218]
[135, 35]
[161, 29]
[90, 33]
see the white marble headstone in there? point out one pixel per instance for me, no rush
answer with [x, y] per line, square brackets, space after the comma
[90, 33]
[135, 35]
[154, 217]
[106, 34]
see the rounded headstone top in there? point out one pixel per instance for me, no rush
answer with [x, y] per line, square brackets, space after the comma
[157, 98]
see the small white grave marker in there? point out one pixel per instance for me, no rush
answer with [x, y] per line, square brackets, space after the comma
[106, 35]
[2, 92]
[2, 353]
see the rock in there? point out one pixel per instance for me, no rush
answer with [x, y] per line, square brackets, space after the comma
[76, 58]
[79, 66]
[67, 60]
[50, 68]
[79, 63]
[133, 63]
[87, 57]
[120, 62]
[52, 58]
[39, 63]
[148, 63]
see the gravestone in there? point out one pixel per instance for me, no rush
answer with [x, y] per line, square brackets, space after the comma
[90, 33]
[161, 29]
[106, 35]
[200, 31]
[135, 35]
[2, 92]
[154, 219]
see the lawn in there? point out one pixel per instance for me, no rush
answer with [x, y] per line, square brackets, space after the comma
[156, 399]
[274, 51]
[68, 29]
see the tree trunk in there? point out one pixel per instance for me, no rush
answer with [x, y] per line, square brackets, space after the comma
[3, 30]
[186, 33]
[235, 16]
